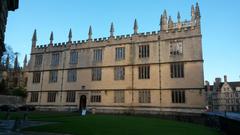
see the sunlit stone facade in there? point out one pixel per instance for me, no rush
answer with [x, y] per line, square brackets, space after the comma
[152, 72]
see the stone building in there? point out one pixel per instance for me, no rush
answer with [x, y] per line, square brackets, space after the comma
[152, 72]
[5, 6]
[224, 96]
[13, 76]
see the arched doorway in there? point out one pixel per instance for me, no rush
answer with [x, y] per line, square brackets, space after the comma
[82, 103]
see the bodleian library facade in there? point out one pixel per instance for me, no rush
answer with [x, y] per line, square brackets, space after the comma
[152, 72]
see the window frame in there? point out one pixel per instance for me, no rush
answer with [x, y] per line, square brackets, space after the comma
[72, 75]
[178, 96]
[34, 97]
[73, 57]
[96, 97]
[53, 76]
[176, 48]
[177, 70]
[144, 72]
[36, 77]
[144, 51]
[119, 96]
[38, 59]
[119, 73]
[96, 74]
[71, 96]
[119, 53]
[97, 55]
[55, 61]
[144, 96]
[52, 97]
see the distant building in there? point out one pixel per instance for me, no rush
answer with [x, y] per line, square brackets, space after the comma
[5, 6]
[15, 76]
[152, 72]
[224, 96]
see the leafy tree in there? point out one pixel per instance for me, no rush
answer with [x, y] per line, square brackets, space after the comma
[19, 91]
[2, 87]
[9, 52]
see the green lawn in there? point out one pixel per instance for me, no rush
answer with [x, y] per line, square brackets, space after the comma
[113, 125]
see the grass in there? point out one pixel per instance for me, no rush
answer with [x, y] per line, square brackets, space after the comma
[72, 123]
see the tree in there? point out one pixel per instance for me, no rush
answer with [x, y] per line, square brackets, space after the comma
[19, 91]
[9, 52]
[2, 87]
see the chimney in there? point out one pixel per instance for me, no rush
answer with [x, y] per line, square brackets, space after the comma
[207, 86]
[218, 80]
[225, 78]
[217, 84]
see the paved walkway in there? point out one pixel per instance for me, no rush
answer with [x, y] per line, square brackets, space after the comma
[11, 127]
[230, 115]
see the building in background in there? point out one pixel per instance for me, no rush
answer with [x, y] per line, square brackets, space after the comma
[12, 76]
[5, 6]
[152, 72]
[224, 96]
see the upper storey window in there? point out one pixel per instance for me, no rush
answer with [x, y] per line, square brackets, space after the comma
[96, 74]
[72, 75]
[176, 48]
[55, 59]
[97, 55]
[119, 73]
[36, 77]
[53, 76]
[143, 51]
[177, 70]
[120, 53]
[38, 59]
[144, 72]
[73, 57]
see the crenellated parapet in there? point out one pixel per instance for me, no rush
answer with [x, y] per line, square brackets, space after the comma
[168, 25]
[167, 28]
[95, 41]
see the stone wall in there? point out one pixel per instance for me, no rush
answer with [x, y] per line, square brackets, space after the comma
[11, 100]
[160, 84]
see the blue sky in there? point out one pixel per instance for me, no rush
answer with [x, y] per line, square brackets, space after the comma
[220, 25]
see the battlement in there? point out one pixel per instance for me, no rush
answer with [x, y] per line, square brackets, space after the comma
[185, 25]
[166, 26]
[97, 40]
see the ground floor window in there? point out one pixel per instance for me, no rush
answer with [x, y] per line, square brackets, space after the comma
[71, 96]
[51, 96]
[178, 96]
[119, 96]
[227, 108]
[216, 107]
[238, 108]
[237, 101]
[34, 97]
[144, 96]
[95, 96]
